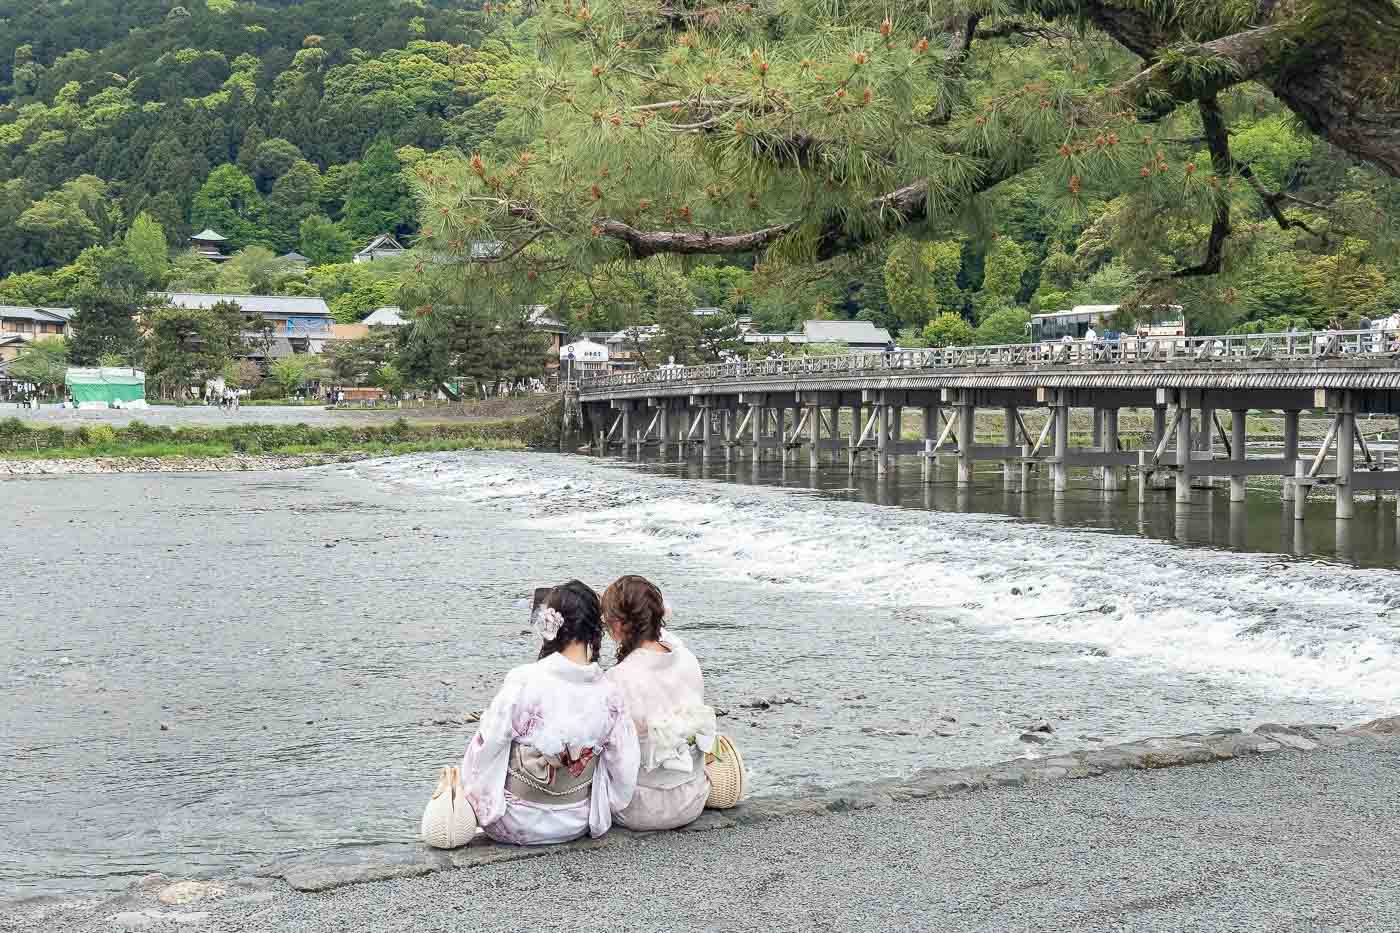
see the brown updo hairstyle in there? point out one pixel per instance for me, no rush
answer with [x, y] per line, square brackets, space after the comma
[634, 603]
[583, 619]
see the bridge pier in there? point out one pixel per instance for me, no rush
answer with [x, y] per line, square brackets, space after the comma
[1238, 442]
[1009, 468]
[1059, 471]
[1109, 417]
[1184, 449]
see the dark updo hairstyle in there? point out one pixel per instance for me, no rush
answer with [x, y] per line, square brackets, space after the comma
[636, 604]
[583, 619]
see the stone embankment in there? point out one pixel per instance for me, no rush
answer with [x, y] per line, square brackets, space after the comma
[231, 464]
[159, 903]
[321, 871]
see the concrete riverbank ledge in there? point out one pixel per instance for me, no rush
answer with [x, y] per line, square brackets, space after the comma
[323, 871]
[161, 903]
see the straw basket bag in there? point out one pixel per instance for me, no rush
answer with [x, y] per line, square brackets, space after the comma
[448, 819]
[724, 766]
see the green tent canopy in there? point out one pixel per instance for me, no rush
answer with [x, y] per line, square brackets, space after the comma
[106, 385]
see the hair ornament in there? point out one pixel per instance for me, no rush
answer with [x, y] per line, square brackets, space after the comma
[548, 622]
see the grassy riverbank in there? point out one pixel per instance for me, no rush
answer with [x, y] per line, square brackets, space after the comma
[25, 441]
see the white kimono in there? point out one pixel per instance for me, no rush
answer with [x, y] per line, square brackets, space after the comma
[561, 709]
[665, 693]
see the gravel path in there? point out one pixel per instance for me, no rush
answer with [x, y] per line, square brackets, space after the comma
[1284, 842]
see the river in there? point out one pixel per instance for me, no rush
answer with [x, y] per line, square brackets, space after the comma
[203, 672]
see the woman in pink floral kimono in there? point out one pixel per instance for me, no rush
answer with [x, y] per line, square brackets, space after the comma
[665, 693]
[556, 752]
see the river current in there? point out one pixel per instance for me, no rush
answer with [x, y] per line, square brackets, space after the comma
[205, 672]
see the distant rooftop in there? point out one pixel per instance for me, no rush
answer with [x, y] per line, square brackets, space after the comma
[847, 332]
[28, 313]
[209, 236]
[266, 305]
[388, 316]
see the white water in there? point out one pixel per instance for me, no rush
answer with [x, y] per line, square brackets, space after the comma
[1307, 631]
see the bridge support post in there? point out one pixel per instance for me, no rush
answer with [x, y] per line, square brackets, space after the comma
[814, 437]
[835, 429]
[1290, 451]
[1059, 470]
[1346, 444]
[687, 417]
[1238, 437]
[1097, 443]
[663, 426]
[627, 430]
[1110, 444]
[857, 423]
[1009, 472]
[1205, 442]
[882, 435]
[1301, 487]
[757, 414]
[727, 429]
[707, 414]
[967, 417]
[1184, 448]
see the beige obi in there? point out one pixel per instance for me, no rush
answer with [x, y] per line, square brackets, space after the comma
[546, 779]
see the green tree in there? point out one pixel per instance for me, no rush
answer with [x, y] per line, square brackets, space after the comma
[291, 203]
[104, 322]
[291, 372]
[43, 363]
[252, 271]
[921, 280]
[190, 272]
[229, 203]
[323, 242]
[65, 222]
[1007, 325]
[1006, 263]
[146, 245]
[948, 330]
[272, 159]
[388, 378]
[353, 362]
[379, 199]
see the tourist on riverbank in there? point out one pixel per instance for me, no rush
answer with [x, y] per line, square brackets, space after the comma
[665, 692]
[556, 752]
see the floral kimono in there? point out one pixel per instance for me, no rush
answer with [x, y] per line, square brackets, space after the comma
[665, 693]
[555, 754]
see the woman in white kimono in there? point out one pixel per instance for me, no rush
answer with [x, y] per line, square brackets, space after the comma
[665, 693]
[556, 752]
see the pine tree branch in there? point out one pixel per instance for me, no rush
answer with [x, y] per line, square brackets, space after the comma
[1202, 71]
[1218, 139]
[1271, 201]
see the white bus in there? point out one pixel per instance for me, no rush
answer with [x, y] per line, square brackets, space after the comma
[1149, 321]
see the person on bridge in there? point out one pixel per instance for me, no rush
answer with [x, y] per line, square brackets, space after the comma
[665, 694]
[556, 753]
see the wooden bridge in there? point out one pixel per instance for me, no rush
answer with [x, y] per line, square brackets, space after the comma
[780, 406]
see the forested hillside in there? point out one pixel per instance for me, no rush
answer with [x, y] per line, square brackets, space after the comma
[249, 117]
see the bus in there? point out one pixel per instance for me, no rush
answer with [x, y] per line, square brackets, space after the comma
[1149, 321]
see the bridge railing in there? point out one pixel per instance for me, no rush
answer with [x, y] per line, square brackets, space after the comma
[1128, 350]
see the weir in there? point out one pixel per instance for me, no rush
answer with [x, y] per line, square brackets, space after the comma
[853, 408]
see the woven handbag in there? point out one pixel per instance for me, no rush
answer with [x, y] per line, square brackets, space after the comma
[724, 766]
[448, 819]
